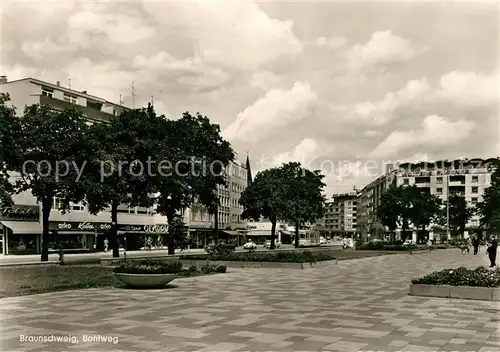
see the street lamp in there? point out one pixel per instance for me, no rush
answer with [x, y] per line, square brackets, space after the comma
[447, 207]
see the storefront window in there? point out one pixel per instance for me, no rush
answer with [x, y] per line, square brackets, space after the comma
[22, 244]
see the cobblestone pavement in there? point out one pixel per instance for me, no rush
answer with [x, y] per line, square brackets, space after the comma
[355, 305]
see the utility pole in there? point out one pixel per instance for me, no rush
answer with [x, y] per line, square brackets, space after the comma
[447, 207]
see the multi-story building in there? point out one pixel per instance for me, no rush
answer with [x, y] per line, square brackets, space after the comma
[201, 222]
[467, 177]
[20, 225]
[341, 215]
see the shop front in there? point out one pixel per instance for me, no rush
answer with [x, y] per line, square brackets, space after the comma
[75, 236]
[137, 237]
[20, 230]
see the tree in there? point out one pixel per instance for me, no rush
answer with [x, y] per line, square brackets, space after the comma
[201, 157]
[261, 197]
[426, 209]
[50, 150]
[389, 209]
[489, 208]
[122, 169]
[9, 127]
[459, 214]
[301, 199]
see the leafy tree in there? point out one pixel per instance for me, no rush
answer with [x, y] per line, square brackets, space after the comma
[489, 208]
[50, 149]
[459, 214]
[301, 199]
[261, 198]
[123, 168]
[201, 157]
[389, 209]
[426, 209]
[8, 125]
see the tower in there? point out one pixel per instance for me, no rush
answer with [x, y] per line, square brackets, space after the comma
[249, 171]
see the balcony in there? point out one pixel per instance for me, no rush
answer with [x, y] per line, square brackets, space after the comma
[90, 113]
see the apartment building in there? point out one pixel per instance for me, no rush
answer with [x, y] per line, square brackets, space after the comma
[20, 225]
[341, 215]
[201, 223]
[466, 177]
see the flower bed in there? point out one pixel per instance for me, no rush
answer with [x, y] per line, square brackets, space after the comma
[480, 277]
[385, 246]
[280, 257]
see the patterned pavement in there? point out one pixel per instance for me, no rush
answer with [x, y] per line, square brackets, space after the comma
[355, 305]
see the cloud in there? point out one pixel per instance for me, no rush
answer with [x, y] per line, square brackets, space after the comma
[381, 112]
[306, 152]
[383, 47]
[469, 88]
[372, 133]
[264, 80]
[231, 33]
[435, 132]
[331, 42]
[274, 110]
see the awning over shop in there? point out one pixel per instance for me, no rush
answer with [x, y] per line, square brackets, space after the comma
[74, 232]
[231, 233]
[260, 233]
[287, 233]
[23, 227]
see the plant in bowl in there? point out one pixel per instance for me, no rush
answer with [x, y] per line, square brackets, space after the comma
[147, 273]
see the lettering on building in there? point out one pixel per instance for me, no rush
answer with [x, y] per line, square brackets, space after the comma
[105, 226]
[64, 226]
[85, 226]
[155, 228]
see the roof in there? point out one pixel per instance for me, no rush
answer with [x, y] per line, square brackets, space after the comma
[67, 90]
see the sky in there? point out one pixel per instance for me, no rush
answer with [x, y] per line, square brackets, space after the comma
[345, 88]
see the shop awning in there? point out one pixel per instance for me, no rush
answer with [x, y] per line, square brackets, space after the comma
[260, 233]
[288, 233]
[23, 227]
[231, 233]
[74, 232]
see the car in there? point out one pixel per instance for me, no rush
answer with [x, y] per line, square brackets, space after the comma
[277, 244]
[322, 240]
[249, 245]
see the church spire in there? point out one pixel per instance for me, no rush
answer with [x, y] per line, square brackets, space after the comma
[249, 171]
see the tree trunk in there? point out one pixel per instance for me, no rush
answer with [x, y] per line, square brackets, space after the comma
[114, 229]
[46, 207]
[171, 234]
[216, 224]
[273, 232]
[297, 237]
[403, 229]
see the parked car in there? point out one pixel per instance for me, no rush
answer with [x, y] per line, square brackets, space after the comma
[408, 243]
[322, 240]
[250, 245]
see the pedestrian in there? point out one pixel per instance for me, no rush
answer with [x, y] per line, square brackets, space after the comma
[492, 251]
[106, 244]
[475, 244]
[149, 243]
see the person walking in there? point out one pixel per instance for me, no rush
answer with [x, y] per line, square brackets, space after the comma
[492, 251]
[475, 244]
[149, 243]
[106, 245]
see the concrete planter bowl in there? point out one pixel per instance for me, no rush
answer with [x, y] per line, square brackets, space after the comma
[145, 281]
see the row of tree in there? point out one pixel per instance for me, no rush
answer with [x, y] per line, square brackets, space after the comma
[288, 193]
[402, 205]
[35, 143]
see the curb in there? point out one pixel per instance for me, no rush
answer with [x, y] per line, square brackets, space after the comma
[459, 292]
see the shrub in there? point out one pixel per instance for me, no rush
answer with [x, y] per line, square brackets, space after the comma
[480, 277]
[220, 250]
[149, 267]
[282, 257]
[221, 269]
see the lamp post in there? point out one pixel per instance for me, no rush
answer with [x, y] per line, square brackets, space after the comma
[447, 207]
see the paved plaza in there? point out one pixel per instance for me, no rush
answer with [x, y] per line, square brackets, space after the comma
[355, 305]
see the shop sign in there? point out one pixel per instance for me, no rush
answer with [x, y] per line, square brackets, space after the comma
[20, 212]
[155, 228]
[85, 226]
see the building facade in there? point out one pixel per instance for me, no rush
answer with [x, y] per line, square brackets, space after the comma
[340, 216]
[201, 223]
[20, 225]
[466, 177]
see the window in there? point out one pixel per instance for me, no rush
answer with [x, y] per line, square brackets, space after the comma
[475, 179]
[439, 191]
[56, 204]
[439, 180]
[47, 92]
[473, 200]
[406, 181]
[475, 189]
[70, 98]
[77, 207]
